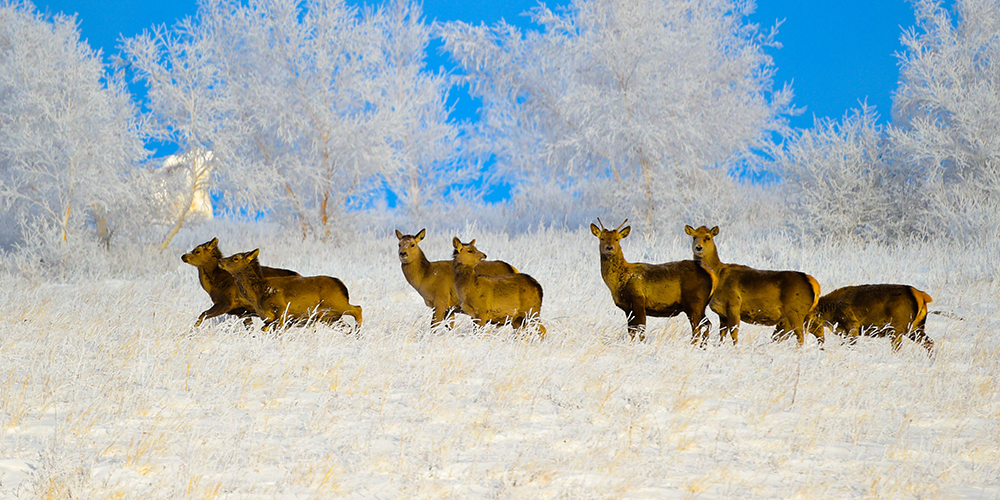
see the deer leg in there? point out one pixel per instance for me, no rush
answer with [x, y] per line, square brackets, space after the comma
[732, 322]
[815, 327]
[637, 323]
[795, 324]
[440, 313]
[700, 327]
[541, 331]
[799, 335]
[449, 316]
[897, 340]
[355, 312]
[919, 336]
[216, 310]
[723, 327]
[517, 323]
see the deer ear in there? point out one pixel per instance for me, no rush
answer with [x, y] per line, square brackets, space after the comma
[625, 231]
[214, 243]
[420, 236]
[399, 235]
[455, 242]
[253, 254]
[715, 231]
[596, 230]
[689, 230]
[472, 243]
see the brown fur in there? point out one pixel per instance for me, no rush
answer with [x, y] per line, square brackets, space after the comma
[877, 311]
[782, 299]
[494, 299]
[658, 290]
[435, 281]
[289, 299]
[219, 284]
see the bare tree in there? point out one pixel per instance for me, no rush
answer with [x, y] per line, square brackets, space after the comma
[638, 99]
[69, 137]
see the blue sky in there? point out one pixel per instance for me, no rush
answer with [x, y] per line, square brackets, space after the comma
[836, 53]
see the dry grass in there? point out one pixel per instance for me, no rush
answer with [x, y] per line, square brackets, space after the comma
[106, 390]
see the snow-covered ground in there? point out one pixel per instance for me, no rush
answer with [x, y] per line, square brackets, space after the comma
[107, 391]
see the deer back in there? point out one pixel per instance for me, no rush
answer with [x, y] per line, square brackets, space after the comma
[873, 307]
[300, 296]
[765, 296]
[493, 298]
[664, 289]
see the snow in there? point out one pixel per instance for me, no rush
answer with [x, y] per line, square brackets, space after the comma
[106, 389]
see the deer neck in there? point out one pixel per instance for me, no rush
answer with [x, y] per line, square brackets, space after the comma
[251, 285]
[710, 259]
[614, 269]
[211, 275]
[464, 273]
[416, 270]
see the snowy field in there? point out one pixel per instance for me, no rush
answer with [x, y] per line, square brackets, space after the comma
[107, 391]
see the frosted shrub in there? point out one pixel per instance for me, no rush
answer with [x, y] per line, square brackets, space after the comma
[841, 180]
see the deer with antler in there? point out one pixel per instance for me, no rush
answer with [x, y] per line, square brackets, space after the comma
[659, 290]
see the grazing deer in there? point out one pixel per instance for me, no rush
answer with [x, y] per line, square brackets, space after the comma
[782, 299]
[289, 299]
[435, 281]
[876, 311]
[659, 290]
[494, 299]
[219, 283]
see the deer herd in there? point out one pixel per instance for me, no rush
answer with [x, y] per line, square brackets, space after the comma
[495, 292]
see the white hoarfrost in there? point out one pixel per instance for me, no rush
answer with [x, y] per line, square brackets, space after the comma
[107, 391]
[69, 138]
[627, 103]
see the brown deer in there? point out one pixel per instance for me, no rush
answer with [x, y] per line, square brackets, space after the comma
[516, 298]
[289, 299]
[435, 281]
[219, 284]
[658, 290]
[876, 311]
[782, 299]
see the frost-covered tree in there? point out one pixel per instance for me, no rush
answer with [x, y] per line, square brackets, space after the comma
[310, 107]
[841, 180]
[69, 137]
[425, 167]
[947, 110]
[188, 108]
[632, 101]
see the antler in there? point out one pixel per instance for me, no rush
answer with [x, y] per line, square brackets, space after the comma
[620, 225]
[601, 223]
